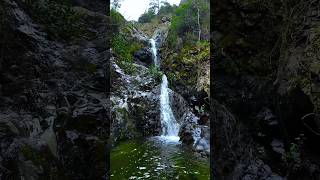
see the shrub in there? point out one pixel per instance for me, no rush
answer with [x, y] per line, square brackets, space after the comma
[116, 18]
[121, 47]
[292, 158]
[155, 72]
[147, 16]
[125, 49]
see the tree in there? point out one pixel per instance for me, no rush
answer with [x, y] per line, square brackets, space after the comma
[116, 4]
[196, 5]
[147, 16]
[154, 5]
[190, 22]
[201, 8]
[166, 8]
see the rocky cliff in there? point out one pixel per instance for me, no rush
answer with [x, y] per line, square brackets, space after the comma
[53, 91]
[265, 75]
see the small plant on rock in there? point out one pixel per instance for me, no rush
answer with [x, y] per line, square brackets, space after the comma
[292, 158]
[155, 72]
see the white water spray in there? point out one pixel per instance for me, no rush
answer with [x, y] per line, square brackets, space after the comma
[154, 51]
[170, 127]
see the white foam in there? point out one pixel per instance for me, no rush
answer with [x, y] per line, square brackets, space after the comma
[169, 139]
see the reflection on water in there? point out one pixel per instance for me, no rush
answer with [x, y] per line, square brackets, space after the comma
[156, 159]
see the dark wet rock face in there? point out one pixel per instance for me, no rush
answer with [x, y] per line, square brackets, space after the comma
[135, 99]
[144, 55]
[267, 94]
[54, 101]
[237, 159]
[193, 132]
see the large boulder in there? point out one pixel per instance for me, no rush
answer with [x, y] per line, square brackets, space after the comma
[144, 55]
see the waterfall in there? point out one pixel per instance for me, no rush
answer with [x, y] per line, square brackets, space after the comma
[170, 127]
[154, 51]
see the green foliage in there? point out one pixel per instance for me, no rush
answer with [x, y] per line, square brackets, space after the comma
[166, 9]
[116, 21]
[292, 158]
[58, 18]
[195, 54]
[122, 47]
[155, 72]
[171, 77]
[293, 154]
[125, 49]
[116, 18]
[154, 5]
[202, 109]
[185, 22]
[147, 16]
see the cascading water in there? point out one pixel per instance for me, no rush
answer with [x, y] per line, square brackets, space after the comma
[170, 127]
[154, 51]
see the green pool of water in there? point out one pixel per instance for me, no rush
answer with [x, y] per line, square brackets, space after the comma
[154, 159]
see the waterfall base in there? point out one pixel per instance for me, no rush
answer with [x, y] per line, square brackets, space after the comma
[153, 159]
[169, 139]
